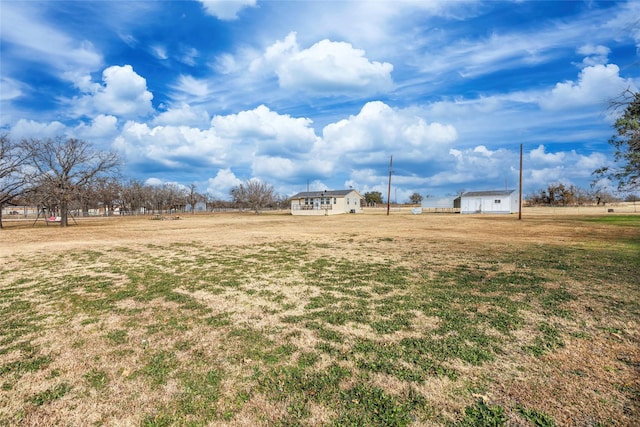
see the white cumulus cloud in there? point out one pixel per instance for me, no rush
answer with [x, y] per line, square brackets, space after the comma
[123, 93]
[222, 183]
[596, 85]
[543, 167]
[280, 167]
[33, 129]
[101, 126]
[183, 115]
[269, 132]
[327, 68]
[171, 146]
[477, 168]
[382, 129]
[594, 55]
[226, 10]
[540, 155]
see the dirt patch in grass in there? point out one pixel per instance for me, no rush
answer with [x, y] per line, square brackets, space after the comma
[588, 381]
[238, 319]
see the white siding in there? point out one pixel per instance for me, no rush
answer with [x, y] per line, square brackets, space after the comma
[496, 203]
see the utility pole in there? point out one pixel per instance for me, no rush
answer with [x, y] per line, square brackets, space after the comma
[389, 187]
[520, 196]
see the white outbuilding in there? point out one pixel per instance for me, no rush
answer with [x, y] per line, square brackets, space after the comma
[491, 202]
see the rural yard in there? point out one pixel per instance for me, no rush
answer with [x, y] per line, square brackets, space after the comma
[236, 319]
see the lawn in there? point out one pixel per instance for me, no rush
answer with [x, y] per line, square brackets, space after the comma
[238, 319]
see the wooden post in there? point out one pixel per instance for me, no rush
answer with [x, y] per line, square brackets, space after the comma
[520, 197]
[389, 188]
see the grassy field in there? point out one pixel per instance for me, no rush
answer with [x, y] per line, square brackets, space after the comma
[238, 319]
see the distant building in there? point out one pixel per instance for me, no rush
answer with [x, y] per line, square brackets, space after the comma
[326, 202]
[441, 205]
[491, 202]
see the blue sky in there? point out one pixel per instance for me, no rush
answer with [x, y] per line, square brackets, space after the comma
[324, 92]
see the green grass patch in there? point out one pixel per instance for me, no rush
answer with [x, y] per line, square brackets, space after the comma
[50, 394]
[159, 367]
[97, 379]
[536, 418]
[625, 220]
[117, 337]
[548, 339]
[30, 362]
[482, 415]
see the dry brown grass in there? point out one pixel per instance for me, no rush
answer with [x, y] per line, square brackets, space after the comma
[152, 347]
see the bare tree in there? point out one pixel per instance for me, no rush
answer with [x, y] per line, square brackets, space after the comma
[176, 197]
[13, 181]
[254, 194]
[562, 195]
[134, 197]
[87, 199]
[210, 202]
[193, 197]
[108, 192]
[169, 197]
[158, 199]
[63, 168]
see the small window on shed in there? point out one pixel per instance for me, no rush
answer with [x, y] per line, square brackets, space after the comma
[497, 201]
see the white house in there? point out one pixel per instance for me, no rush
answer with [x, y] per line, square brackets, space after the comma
[326, 202]
[500, 201]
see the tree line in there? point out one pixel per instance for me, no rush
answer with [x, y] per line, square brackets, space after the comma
[560, 194]
[374, 198]
[65, 175]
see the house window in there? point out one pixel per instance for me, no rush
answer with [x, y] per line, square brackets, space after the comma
[327, 201]
[335, 200]
[497, 201]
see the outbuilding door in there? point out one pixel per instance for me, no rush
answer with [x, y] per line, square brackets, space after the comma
[477, 205]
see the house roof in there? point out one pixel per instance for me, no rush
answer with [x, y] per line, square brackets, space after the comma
[324, 193]
[488, 193]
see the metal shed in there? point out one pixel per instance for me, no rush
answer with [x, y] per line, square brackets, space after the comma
[489, 202]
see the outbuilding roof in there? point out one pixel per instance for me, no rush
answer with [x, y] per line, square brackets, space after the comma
[324, 193]
[487, 193]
